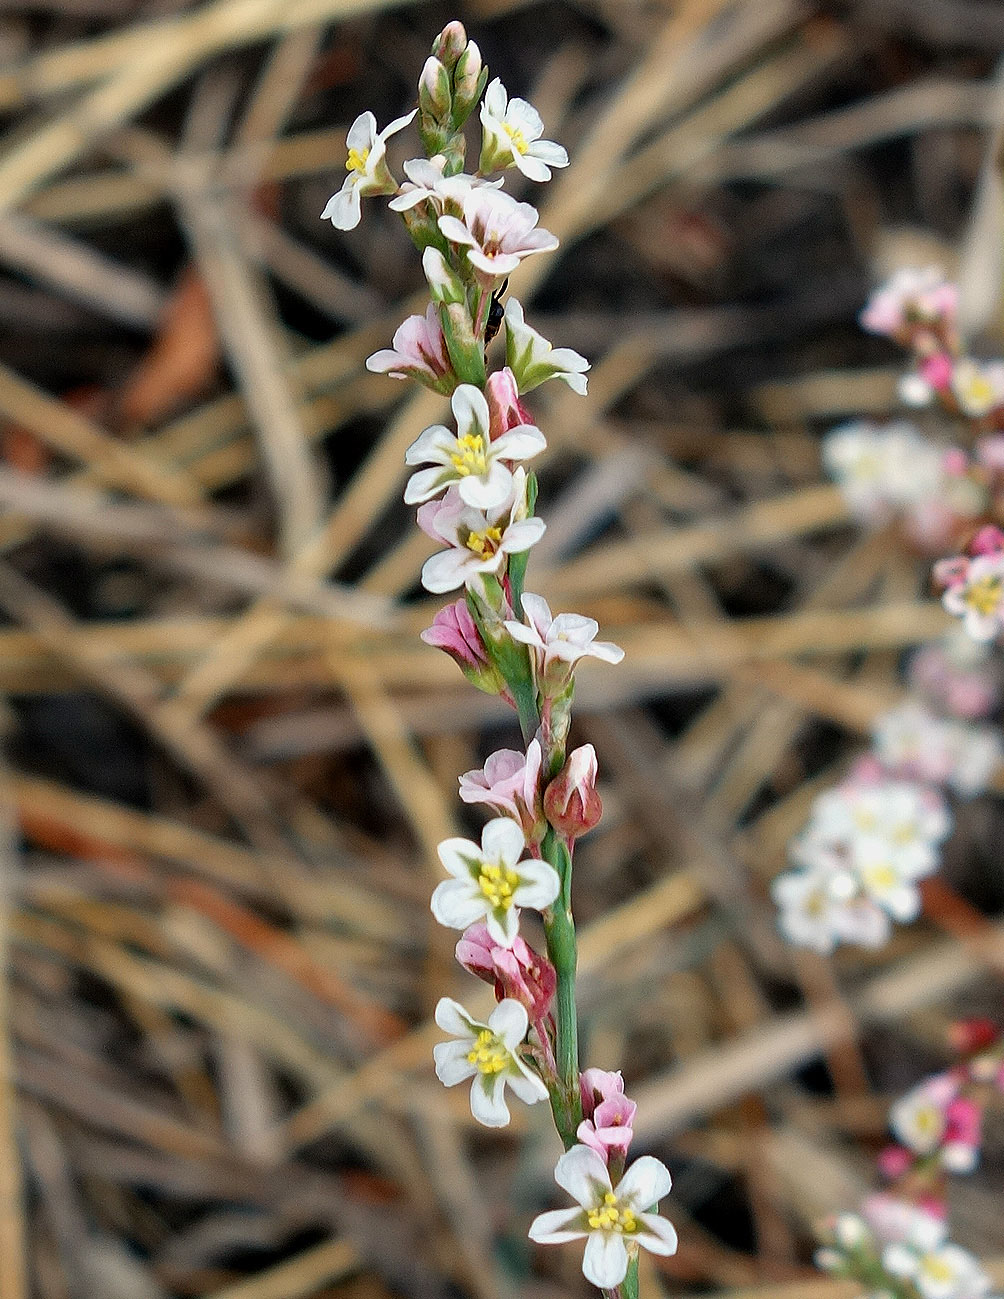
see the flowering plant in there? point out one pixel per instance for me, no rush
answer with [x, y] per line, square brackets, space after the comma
[477, 497]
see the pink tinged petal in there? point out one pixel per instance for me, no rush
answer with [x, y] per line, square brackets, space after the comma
[498, 264]
[539, 885]
[488, 1100]
[527, 1086]
[536, 608]
[452, 1064]
[502, 840]
[520, 443]
[489, 492]
[558, 1226]
[455, 230]
[510, 1022]
[618, 1111]
[452, 1018]
[588, 1135]
[387, 362]
[645, 1183]
[605, 1260]
[362, 133]
[658, 1236]
[459, 857]
[583, 1174]
[457, 904]
[344, 209]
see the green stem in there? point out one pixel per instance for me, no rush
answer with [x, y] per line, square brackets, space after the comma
[560, 930]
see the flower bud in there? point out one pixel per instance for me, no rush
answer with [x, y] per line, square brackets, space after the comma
[454, 630]
[469, 80]
[450, 44]
[434, 97]
[518, 971]
[445, 285]
[571, 802]
[505, 409]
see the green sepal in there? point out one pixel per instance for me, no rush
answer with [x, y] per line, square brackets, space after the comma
[518, 562]
[466, 352]
[510, 658]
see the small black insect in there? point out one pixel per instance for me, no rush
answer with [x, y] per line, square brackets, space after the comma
[496, 312]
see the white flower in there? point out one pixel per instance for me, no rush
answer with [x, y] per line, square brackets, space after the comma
[533, 360]
[885, 882]
[489, 1054]
[479, 541]
[491, 883]
[912, 295]
[893, 1219]
[566, 639]
[367, 168]
[497, 231]
[979, 598]
[426, 182]
[909, 820]
[976, 752]
[880, 470]
[916, 742]
[419, 352]
[918, 1119]
[469, 458]
[612, 1220]
[814, 913]
[511, 131]
[978, 388]
[943, 1272]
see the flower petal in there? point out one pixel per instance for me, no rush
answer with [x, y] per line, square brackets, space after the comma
[558, 1226]
[527, 1086]
[452, 1018]
[520, 443]
[433, 445]
[344, 209]
[449, 569]
[457, 856]
[539, 884]
[502, 840]
[510, 1021]
[605, 1260]
[486, 493]
[644, 1183]
[488, 1100]
[470, 409]
[538, 611]
[659, 1235]
[452, 1064]
[583, 1174]
[456, 904]
[362, 133]
[426, 484]
[502, 925]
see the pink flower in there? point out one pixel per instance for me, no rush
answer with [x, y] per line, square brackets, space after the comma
[419, 352]
[975, 593]
[609, 1130]
[988, 541]
[960, 1149]
[894, 1161]
[570, 800]
[509, 782]
[497, 231]
[517, 972]
[910, 297]
[937, 370]
[505, 409]
[597, 1086]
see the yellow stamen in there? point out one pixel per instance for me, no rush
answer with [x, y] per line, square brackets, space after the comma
[488, 1053]
[984, 595]
[484, 544]
[356, 160]
[610, 1216]
[497, 884]
[519, 141]
[880, 876]
[471, 458]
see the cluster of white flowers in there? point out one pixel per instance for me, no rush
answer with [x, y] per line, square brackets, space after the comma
[858, 861]
[905, 1243]
[914, 742]
[476, 500]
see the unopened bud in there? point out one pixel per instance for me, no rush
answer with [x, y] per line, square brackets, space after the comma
[450, 44]
[469, 80]
[434, 97]
[505, 410]
[445, 285]
[571, 802]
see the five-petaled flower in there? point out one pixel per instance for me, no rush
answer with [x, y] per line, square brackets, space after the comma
[562, 640]
[497, 231]
[533, 360]
[367, 168]
[491, 883]
[511, 131]
[975, 593]
[480, 541]
[489, 1054]
[469, 457]
[613, 1220]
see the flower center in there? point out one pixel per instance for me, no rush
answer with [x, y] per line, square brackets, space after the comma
[936, 1269]
[517, 138]
[488, 1053]
[356, 160]
[984, 595]
[881, 877]
[865, 819]
[609, 1216]
[497, 883]
[470, 458]
[484, 544]
[928, 1121]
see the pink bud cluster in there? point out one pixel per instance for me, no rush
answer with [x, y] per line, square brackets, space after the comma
[608, 1115]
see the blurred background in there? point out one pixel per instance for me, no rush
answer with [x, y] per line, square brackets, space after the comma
[227, 757]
